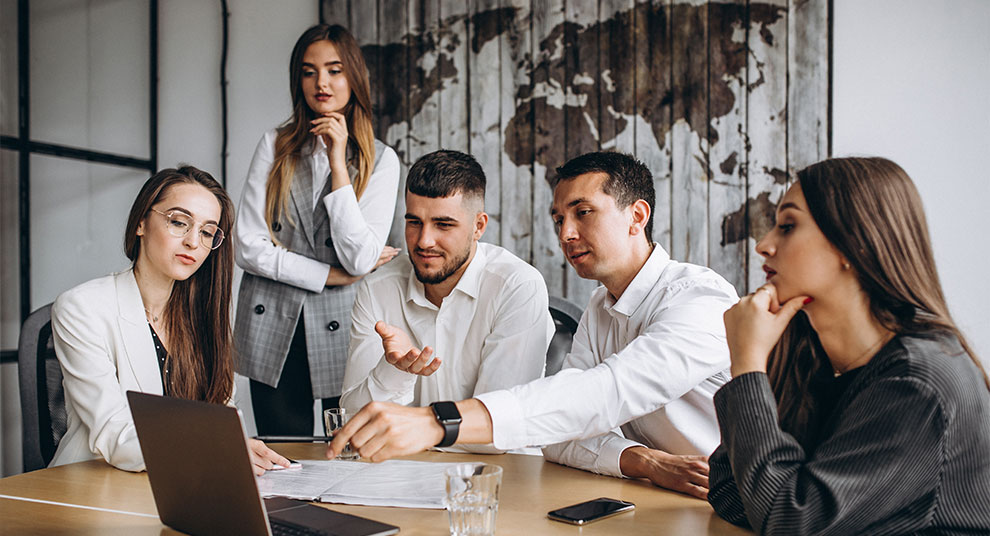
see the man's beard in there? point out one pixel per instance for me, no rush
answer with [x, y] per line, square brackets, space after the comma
[446, 269]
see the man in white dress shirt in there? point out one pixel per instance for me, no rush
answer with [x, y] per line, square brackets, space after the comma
[635, 396]
[480, 310]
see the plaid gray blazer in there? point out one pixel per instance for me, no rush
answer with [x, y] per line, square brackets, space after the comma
[268, 311]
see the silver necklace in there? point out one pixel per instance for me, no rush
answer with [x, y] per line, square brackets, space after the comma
[154, 317]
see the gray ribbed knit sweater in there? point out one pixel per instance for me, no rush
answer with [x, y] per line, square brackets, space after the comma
[906, 450]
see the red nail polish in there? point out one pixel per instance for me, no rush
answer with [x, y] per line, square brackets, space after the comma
[808, 300]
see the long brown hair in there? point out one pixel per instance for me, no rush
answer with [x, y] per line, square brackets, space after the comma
[294, 134]
[197, 315]
[869, 209]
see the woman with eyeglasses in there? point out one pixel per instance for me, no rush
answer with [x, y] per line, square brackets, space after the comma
[160, 327]
[856, 406]
[315, 213]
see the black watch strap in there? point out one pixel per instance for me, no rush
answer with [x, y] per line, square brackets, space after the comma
[450, 418]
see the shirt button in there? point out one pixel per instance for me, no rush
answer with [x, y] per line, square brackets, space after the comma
[333, 325]
[259, 309]
[328, 242]
[276, 226]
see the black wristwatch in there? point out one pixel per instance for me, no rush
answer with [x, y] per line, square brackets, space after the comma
[448, 417]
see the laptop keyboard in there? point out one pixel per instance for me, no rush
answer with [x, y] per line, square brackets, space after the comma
[284, 529]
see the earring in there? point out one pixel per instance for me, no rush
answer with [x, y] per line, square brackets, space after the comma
[845, 266]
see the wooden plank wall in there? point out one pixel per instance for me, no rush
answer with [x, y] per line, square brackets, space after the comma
[723, 101]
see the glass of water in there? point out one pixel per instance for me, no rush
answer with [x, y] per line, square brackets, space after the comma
[472, 498]
[334, 419]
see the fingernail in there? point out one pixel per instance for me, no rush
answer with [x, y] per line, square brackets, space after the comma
[808, 300]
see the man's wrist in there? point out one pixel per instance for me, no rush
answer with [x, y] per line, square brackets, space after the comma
[631, 462]
[434, 429]
[449, 418]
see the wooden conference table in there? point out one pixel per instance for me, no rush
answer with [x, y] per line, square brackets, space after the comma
[94, 498]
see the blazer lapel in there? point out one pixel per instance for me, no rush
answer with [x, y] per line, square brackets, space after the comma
[140, 359]
[301, 192]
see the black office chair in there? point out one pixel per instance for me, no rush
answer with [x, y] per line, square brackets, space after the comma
[566, 315]
[43, 417]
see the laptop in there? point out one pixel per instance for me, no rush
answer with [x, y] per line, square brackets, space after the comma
[201, 475]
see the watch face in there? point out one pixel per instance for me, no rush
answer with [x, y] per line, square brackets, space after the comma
[446, 411]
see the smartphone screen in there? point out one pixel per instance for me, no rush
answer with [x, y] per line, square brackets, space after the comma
[589, 511]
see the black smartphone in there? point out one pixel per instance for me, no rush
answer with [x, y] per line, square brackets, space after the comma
[586, 512]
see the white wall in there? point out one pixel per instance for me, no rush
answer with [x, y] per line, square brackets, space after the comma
[94, 94]
[912, 83]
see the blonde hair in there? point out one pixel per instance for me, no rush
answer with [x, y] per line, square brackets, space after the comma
[293, 135]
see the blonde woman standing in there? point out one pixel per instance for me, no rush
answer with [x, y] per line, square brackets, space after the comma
[314, 216]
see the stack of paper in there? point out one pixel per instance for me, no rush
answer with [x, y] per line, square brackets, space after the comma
[399, 483]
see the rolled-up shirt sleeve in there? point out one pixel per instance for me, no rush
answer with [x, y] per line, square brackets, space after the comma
[255, 251]
[360, 228]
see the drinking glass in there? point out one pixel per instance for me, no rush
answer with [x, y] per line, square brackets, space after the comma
[472, 498]
[334, 419]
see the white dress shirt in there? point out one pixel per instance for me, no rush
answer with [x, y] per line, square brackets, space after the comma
[491, 332]
[359, 228]
[643, 370]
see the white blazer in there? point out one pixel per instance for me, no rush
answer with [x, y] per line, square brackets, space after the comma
[104, 345]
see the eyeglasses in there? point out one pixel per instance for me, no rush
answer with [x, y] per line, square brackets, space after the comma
[179, 224]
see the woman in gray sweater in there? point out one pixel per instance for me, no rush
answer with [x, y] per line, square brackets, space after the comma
[856, 405]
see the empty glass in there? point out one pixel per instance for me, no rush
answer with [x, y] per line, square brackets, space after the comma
[472, 498]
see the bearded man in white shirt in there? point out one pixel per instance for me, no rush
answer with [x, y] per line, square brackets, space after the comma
[482, 311]
[635, 396]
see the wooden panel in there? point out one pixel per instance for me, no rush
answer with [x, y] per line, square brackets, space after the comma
[721, 100]
[546, 103]
[454, 73]
[727, 155]
[583, 75]
[654, 105]
[485, 89]
[807, 109]
[424, 78]
[336, 12]
[518, 216]
[392, 84]
[364, 27]
[689, 146]
[767, 124]
[617, 84]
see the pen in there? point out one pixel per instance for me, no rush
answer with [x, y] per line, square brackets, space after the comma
[294, 439]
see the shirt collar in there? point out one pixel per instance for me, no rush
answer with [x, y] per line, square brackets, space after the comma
[641, 285]
[318, 148]
[470, 282]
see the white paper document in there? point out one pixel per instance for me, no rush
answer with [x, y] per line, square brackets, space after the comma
[401, 483]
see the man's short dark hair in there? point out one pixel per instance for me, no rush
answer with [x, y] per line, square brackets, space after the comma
[444, 173]
[628, 179]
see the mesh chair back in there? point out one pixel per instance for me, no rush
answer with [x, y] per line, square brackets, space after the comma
[43, 416]
[566, 315]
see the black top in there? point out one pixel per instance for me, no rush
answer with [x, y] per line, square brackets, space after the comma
[162, 359]
[906, 449]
